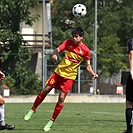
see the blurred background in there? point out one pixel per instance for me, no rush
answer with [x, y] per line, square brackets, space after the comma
[31, 29]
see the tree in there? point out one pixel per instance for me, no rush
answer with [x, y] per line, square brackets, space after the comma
[110, 55]
[15, 57]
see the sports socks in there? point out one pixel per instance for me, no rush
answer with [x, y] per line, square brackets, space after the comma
[2, 116]
[129, 119]
[38, 101]
[57, 110]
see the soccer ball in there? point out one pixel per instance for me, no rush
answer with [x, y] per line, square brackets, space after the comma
[79, 10]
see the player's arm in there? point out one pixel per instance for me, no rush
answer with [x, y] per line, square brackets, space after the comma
[55, 57]
[2, 75]
[90, 70]
[131, 63]
[60, 48]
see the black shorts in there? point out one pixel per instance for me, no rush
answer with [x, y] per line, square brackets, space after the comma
[129, 89]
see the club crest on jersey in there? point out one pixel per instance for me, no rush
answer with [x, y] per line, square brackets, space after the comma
[81, 52]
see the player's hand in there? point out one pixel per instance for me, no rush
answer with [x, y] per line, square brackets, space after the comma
[131, 72]
[55, 59]
[2, 75]
[94, 76]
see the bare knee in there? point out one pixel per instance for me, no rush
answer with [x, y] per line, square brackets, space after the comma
[46, 90]
[62, 97]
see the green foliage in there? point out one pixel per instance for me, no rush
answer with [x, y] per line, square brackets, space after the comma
[15, 56]
[110, 54]
[26, 83]
[9, 81]
[16, 11]
[30, 85]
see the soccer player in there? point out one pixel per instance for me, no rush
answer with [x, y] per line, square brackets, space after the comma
[3, 125]
[65, 73]
[129, 90]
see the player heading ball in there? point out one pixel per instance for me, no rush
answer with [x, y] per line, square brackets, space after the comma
[65, 73]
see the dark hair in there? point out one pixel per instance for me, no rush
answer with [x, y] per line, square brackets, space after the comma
[130, 44]
[130, 41]
[79, 31]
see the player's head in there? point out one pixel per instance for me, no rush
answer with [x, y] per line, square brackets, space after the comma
[130, 44]
[77, 35]
[78, 31]
[130, 41]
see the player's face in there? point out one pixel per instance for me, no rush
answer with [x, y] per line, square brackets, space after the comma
[77, 39]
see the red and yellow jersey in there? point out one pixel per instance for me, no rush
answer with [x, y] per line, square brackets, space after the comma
[74, 55]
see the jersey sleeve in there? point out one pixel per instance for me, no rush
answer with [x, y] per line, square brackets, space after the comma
[62, 46]
[87, 55]
[130, 45]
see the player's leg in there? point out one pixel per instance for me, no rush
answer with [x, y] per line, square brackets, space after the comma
[40, 97]
[129, 116]
[65, 86]
[129, 105]
[50, 84]
[3, 125]
[59, 106]
[2, 115]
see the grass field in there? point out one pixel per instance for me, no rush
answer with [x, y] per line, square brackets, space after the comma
[74, 118]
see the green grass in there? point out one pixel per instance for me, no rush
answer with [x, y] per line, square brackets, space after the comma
[74, 118]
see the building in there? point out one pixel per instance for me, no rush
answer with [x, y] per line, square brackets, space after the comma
[39, 36]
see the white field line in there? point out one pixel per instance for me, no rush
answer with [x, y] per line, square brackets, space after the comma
[107, 113]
